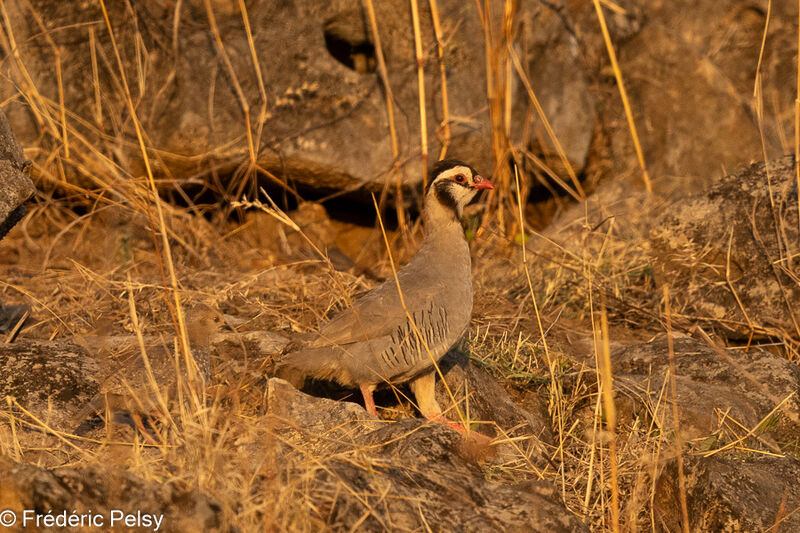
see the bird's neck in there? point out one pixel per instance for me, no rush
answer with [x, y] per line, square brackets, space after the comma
[443, 228]
[437, 215]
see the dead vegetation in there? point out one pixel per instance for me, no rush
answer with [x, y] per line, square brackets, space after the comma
[111, 254]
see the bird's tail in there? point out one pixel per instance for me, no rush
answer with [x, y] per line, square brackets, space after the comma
[294, 375]
[316, 363]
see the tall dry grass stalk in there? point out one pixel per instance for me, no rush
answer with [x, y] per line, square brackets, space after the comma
[761, 49]
[610, 413]
[578, 192]
[675, 414]
[797, 119]
[98, 104]
[376, 37]
[612, 56]
[175, 307]
[252, 148]
[498, 30]
[444, 127]
[423, 115]
[30, 93]
[254, 141]
[551, 363]
[396, 172]
[59, 80]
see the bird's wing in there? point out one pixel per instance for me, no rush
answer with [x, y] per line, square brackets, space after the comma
[375, 314]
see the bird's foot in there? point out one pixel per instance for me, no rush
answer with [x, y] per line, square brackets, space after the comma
[141, 422]
[475, 436]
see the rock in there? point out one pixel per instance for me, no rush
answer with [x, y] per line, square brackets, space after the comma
[488, 402]
[50, 379]
[321, 121]
[320, 125]
[316, 416]
[726, 253]
[15, 186]
[64, 382]
[747, 385]
[237, 345]
[731, 494]
[10, 315]
[558, 77]
[410, 474]
[689, 69]
[98, 491]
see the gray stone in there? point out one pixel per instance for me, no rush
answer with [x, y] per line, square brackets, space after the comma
[81, 490]
[747, 385]
[314, 416]
[559, 80]
[15, 186]
[726, 252]
[729, 494]
[410, 474]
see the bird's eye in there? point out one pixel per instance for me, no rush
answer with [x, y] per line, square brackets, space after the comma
[459, 178]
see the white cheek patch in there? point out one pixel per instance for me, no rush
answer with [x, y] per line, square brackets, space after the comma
[462, 195]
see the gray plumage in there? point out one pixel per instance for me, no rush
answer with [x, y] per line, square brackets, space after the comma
[374, 342]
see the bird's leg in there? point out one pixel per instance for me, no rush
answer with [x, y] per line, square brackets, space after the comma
[369, 402]
[137, 419]
[424, 391]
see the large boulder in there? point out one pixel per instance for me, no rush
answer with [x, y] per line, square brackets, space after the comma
[689, 69]
[97, 492]
[746, 385]
[15, 185]
[409, 474]
[321, 120]
[728, 253]
[307, 101]
[731, 494]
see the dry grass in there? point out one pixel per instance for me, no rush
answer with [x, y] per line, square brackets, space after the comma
[105, 255]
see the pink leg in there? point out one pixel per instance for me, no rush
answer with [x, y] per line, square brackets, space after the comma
[137, 419]
[423, 389]
[369, 403]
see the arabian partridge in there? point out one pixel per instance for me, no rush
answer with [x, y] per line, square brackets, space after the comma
[374, 342]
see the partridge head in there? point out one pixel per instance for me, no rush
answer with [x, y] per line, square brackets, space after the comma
[452, 186]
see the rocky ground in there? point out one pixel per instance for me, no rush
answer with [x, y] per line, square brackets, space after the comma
[632, 356]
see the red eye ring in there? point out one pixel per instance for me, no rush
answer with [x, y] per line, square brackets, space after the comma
[459, 178]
